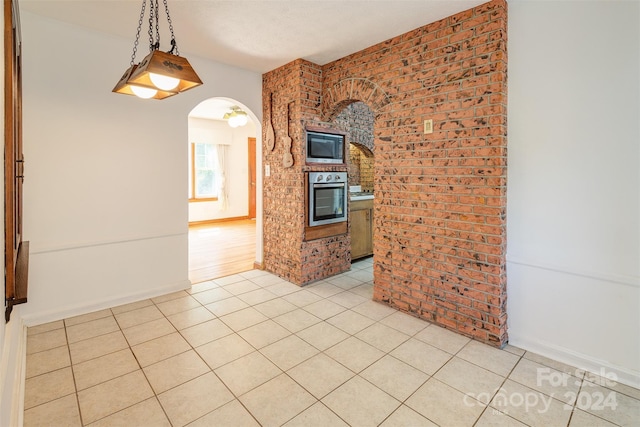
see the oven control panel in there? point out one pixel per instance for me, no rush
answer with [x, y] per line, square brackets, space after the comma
[329, 177]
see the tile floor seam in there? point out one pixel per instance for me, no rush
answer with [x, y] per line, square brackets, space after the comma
[77, 392]
[56, 398]
[541, 392]
[494, 394]
[573, 407]
[237, 358]
[121, 330]
[507, 414]
[629, 395]
[574, 404]
[384, 391]
[155, 394]
[111, 413]
[423, 383]
[303, 410]
[164, 410]
[210, 370]
[73, 375]
[238, 396]
[318, 400]
[488, 404]
[162, 360]
[429, 377]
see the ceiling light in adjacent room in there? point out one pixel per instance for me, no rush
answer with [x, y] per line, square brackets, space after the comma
[236, 117]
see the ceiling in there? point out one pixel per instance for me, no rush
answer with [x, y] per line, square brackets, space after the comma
[257, 35]
[260, 35]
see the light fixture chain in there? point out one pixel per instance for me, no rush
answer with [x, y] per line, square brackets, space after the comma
[174, 44]
[135, 44]
[152, 13]
[157, 45]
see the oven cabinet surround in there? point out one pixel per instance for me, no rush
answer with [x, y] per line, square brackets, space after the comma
[439, 211]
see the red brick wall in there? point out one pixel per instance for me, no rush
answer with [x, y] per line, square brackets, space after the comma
[283, 191]
[286, 252]
[440, 206]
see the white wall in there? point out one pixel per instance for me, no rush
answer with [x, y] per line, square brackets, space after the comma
[238, 168]
[573, 262]
[106, 207]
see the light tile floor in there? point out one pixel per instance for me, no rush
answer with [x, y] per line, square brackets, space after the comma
[252, 349]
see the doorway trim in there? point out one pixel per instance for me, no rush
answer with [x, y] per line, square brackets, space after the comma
[252, 173]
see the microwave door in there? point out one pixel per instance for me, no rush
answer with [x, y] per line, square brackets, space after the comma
[322, 148]
[325, 148]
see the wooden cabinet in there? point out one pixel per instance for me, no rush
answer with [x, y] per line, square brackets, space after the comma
[361, 228]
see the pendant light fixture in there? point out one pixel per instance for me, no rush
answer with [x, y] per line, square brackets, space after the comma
[236, 117]
[160, 74]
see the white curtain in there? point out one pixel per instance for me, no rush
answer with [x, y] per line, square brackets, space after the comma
[222, 152]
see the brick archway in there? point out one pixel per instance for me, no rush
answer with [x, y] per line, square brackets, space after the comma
[350, 90]
[440, 205]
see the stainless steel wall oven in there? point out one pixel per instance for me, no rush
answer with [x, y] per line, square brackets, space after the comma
[327, 197]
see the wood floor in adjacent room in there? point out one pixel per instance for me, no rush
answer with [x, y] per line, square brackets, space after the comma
[221, 249]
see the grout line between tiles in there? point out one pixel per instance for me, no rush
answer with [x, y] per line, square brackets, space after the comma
[506, 377]
[73, 374]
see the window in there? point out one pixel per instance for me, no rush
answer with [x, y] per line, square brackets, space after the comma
[203, 172]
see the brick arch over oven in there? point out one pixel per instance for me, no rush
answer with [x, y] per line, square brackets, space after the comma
[350, 90]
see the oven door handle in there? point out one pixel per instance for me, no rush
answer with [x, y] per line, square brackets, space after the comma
[329, 185]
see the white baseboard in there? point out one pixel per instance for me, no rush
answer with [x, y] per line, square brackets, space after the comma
[79, 309]
[581, 361]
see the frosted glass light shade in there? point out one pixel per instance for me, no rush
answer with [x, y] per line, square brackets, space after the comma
[237, 120]
[143, 92]
[236, 117]
[164, 82]
[124, 87]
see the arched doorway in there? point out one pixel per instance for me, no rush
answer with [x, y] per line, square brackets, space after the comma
[357, 120]
[224, 191]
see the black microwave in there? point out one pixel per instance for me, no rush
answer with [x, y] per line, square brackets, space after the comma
[325, 147]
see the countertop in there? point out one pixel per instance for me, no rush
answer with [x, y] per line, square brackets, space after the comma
[361, 196]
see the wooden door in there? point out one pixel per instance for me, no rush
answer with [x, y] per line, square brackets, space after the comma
[16, 252]
[252, 178]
